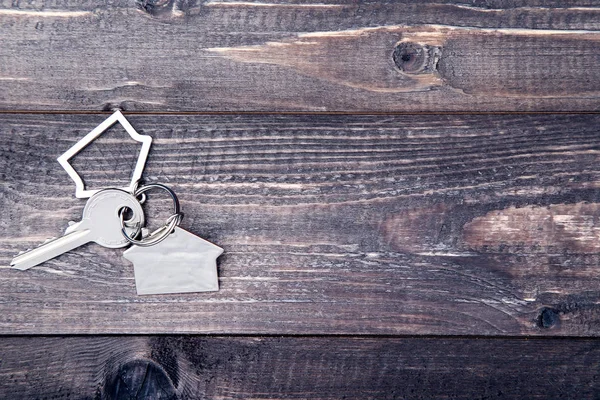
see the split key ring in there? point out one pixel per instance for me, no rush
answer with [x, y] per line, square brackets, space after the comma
[161, 233]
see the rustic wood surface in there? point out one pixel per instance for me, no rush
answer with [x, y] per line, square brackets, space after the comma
[410, 224]
[404, 231]
[180, 55]
[137, 368]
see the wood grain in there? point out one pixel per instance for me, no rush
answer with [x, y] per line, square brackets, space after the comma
[296, 368]
[415, 224]
[359, 56]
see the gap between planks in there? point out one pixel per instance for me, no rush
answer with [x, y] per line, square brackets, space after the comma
[295, 113]
[304, 336]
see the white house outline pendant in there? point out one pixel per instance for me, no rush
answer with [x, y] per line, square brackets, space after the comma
[80, 190]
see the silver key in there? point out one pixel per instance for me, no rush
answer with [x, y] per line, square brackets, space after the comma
[100, 223]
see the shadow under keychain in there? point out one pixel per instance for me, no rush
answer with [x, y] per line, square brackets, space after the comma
[168, 260]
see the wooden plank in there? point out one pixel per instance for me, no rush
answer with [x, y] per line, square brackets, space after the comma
[300, 55]
[324, 368]
[414, 224]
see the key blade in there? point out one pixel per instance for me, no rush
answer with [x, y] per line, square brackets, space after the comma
[73, 226]
[51, 249]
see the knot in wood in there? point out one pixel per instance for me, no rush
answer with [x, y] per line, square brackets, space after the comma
[163, 9]
[548, 318]
[137, 380]
[415, 58]
[151, 5]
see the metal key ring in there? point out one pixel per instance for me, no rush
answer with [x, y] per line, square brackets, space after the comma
[161, 233]
[143, 198]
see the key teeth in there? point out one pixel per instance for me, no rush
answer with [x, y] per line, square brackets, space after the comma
[21, 253]
[47, 241]
[31, 248]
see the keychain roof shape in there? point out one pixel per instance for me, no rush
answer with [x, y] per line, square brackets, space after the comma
[80, 190]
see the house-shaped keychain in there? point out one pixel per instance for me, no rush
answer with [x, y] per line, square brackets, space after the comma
[184, 263]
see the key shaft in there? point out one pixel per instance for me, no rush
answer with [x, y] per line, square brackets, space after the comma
[51, 249]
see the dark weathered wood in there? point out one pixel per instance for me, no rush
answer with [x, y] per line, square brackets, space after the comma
[307, 55]
[303, 368]
[410, 224]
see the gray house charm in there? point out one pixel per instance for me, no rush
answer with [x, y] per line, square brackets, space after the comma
[184, 263]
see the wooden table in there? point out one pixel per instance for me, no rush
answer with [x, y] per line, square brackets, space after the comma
[407, 192]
